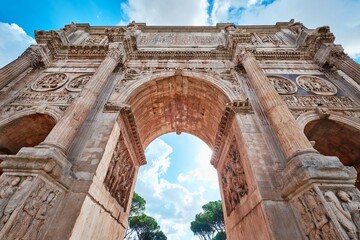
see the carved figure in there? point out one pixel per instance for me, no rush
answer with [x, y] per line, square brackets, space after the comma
[8, 188]
[34, 213]
[233, 179]
[342, 215]
[352, 207]
[295, 27]
[119, 178]
[315, 221]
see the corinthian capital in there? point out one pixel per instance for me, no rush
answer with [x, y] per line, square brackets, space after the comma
[36, 55]
[116, 51]
[242, 54]
[32, 56]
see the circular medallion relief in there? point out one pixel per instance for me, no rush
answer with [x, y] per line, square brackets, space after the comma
[316, 85]
[49, 82]
[78, 83]
[283, 85]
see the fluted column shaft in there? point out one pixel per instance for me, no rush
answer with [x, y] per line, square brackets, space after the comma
[64, 132]
[351, 68]
[292, 139]
[334, 55]
[29, 58]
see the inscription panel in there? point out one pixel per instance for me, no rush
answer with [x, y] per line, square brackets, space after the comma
[180, 39]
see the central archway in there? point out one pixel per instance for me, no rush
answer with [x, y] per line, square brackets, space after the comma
[178, 104]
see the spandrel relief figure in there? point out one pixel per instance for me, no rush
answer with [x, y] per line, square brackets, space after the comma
[342, 215]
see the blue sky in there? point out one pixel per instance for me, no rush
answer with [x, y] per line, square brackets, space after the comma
[182, 178]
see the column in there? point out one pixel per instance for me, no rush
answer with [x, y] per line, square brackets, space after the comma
[30, 58]
[292, 139]
[64, 132]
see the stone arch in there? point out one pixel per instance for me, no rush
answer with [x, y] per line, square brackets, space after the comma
[222, 85]
[178, 103]
[25, 129]
[334, 135]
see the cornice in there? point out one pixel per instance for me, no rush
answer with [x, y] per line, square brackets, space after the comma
[307, 43]
[131, 128]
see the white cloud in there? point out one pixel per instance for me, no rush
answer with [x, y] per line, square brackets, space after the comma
[13, 41]
[173, 205]
[170, 12]
[203, 171]
[340, 15]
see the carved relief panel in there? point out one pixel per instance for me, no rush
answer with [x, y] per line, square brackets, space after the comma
[329, 213]
[53, 88]
[49, 82]
[283, 85]
[316, 85]
[120, 175]
[314, 218]
[77, 84]
[233, 179]
[26, 205]
[345, 205]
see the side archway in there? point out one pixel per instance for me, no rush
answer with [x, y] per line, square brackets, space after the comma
[335, 136]
[25, 131]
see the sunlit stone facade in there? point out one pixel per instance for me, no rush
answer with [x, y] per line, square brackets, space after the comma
[275, 103]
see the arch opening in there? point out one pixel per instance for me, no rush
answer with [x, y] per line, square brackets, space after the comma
[334, 138]
[178, 104]
[27, 131]
[177, 181]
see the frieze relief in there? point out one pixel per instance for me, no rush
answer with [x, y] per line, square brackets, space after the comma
[94, 40]
[315, 101]
[233, 179]
[49, 82]
[283, 85]
[120, 175]
[315, 220]
[316, 85]
[50, 97]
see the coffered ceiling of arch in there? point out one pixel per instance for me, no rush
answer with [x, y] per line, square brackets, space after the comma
[178, 104]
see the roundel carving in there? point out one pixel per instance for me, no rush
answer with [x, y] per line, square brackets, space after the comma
[283, 85]
[78, 83]
[49, 82]
[316, 85]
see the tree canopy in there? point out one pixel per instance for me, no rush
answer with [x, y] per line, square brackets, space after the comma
[140, 224]
[209, 224]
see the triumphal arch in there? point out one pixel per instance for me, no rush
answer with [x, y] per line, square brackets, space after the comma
[279, 105]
